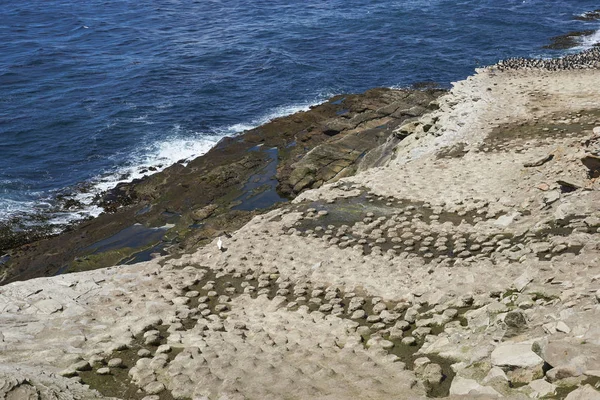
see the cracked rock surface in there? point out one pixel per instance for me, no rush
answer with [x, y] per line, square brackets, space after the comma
[465, 266]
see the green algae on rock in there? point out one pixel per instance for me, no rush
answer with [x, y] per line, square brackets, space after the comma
[221, 190]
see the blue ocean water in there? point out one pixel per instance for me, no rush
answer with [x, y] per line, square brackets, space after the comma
[94, 92]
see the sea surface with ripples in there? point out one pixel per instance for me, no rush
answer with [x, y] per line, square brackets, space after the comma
[96, 92]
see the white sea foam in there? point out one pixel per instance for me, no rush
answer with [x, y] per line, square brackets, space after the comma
[271, 115]
[180, 146]
[587, 42]
[176, 148]
[10, 208]
[157, 156]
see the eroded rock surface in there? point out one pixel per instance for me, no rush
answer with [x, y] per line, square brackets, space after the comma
[462, 267]
[189, 204]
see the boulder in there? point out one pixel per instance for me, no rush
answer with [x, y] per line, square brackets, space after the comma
[515, 319]
[521, 364]
[496, 374]
[204, 212]
[584, 393]
[516, 355]
[432, 374]
[115, 363]
[407, 129]
[551, 196]
[562, 327]
[81, 366]
[593, 164]
[565, 211]
[573, 356]
[562, 372]
[542, 388]
[463, 387]
[154, 388]
[505, 220]
[522, 281]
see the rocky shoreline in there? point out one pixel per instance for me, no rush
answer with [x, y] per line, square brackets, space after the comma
[184, 206]
[449, 253]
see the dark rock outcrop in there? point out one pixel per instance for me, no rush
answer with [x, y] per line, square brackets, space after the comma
[368, 127]
[589, 16]
[187, 205]
[568, 40]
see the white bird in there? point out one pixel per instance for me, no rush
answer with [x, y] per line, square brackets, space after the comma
[220, 244]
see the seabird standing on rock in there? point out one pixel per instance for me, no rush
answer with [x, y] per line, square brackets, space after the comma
[220, 241]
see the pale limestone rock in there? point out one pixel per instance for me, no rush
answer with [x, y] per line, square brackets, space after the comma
[495, 374]
[478, 318]
[18, 381]
[549, 328]
[522, 281]
[562, 327]
[551, 196]
[48, 306]
[68, 372]
[81, 366]
[142, 353]
[542, 388]
[154, 388]
[163, 348]
[264, 354]
[564, 210]
[432, 374]
[115, 363]
[575, 356]
[516, 355]
[592, 372]
[420, 363]
[506, 220]
[463, 387]
[584, 393]
[562, 372]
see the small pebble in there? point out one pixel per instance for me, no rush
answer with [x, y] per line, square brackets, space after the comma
[115, 363]
[409, 341]
[154, 388]
[164, 348]
[142, 353]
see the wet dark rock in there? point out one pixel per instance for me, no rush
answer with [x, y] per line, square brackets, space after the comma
[204, 212]
[568, 40]
[369, 129]
[12, 236]
[223, 189]
[589, 16]
[515, 320]
[592, 163]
